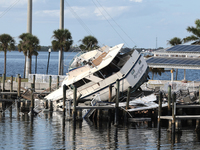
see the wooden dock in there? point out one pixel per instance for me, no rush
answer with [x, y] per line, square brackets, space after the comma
[182, 117]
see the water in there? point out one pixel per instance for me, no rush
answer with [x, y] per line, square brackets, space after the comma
[15, 63]
[47, 131]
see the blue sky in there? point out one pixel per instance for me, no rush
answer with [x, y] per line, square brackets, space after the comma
[133, 22]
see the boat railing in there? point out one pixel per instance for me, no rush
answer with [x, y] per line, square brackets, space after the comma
[43, 78]
[70, 63]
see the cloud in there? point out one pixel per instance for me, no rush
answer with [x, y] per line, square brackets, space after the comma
[137, 1]
[107, 12]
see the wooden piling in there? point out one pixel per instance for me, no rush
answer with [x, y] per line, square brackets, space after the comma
[64, 99]
[3, 82]
[11, 84]
[159, 113]
[199, 94]
[49, 83]
[50, 105]
[128, 97]
[46, 105]
[57, 85]
[110, 93]
[32, 99]
[127, 104]
[117, 102]
[19, 87]
[173, 112]
[74, 102]
[34, 83]
[169, 100]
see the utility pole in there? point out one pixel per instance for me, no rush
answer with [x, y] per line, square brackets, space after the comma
[29, 30]
[61, 54]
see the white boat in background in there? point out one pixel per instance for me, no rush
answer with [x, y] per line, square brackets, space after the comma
[94, 71]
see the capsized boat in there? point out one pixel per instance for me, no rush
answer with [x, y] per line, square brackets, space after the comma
[94, 71]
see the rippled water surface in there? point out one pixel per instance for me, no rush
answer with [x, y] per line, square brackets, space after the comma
[49, 131]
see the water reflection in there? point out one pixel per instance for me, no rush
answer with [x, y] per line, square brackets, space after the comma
[50, 131]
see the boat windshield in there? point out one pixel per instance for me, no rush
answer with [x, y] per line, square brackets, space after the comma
[75, 61]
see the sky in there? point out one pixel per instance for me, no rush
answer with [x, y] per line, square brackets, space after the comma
[136, 23]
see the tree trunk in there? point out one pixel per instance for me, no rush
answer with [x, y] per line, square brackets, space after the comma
[152, 75]
[30, 64]
[24, 67]
[5, 61]
[60, 63]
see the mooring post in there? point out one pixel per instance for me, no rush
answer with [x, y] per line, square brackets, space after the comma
[64, 99]
[19, 87]
[199, 94]
[117, 103]
[169, 100]
[3, 82]
[127, 102]
[159, 113]
[57, 85]
[34, 83]
[128, 97]
[49, 83]
[173, 112]
[11, 83]
[50, 105]
[74, 103]
[110, 93]
[109, 100]
[32, 99]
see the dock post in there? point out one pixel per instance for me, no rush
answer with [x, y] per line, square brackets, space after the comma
[11, 83]
[159, 113]
[197, 125]
[64, 99]
[46, 106]
[57, 85]
[74, 103]
[10, 109]
[49, 83]
[19, 87]
[50, 105]
[34, 82]
[199, 94]
[117, 103]
[169, 100]
[127, 102]
[3, 82]
[32, 99]
[173, 114]
[109, 100]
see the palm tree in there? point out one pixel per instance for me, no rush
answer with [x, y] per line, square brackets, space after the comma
[62, 41]
[29, 44]
[6, 43]
[175, 41]
[89, 43]
[196, 33]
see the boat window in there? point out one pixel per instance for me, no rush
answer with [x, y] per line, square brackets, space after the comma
[139, 62]
[80, 83]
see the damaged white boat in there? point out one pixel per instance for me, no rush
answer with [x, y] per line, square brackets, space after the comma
[94, 71]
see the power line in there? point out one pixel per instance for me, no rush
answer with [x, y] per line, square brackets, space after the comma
[80, 20]
[116, 23]
[110, 23]
[11, 6]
